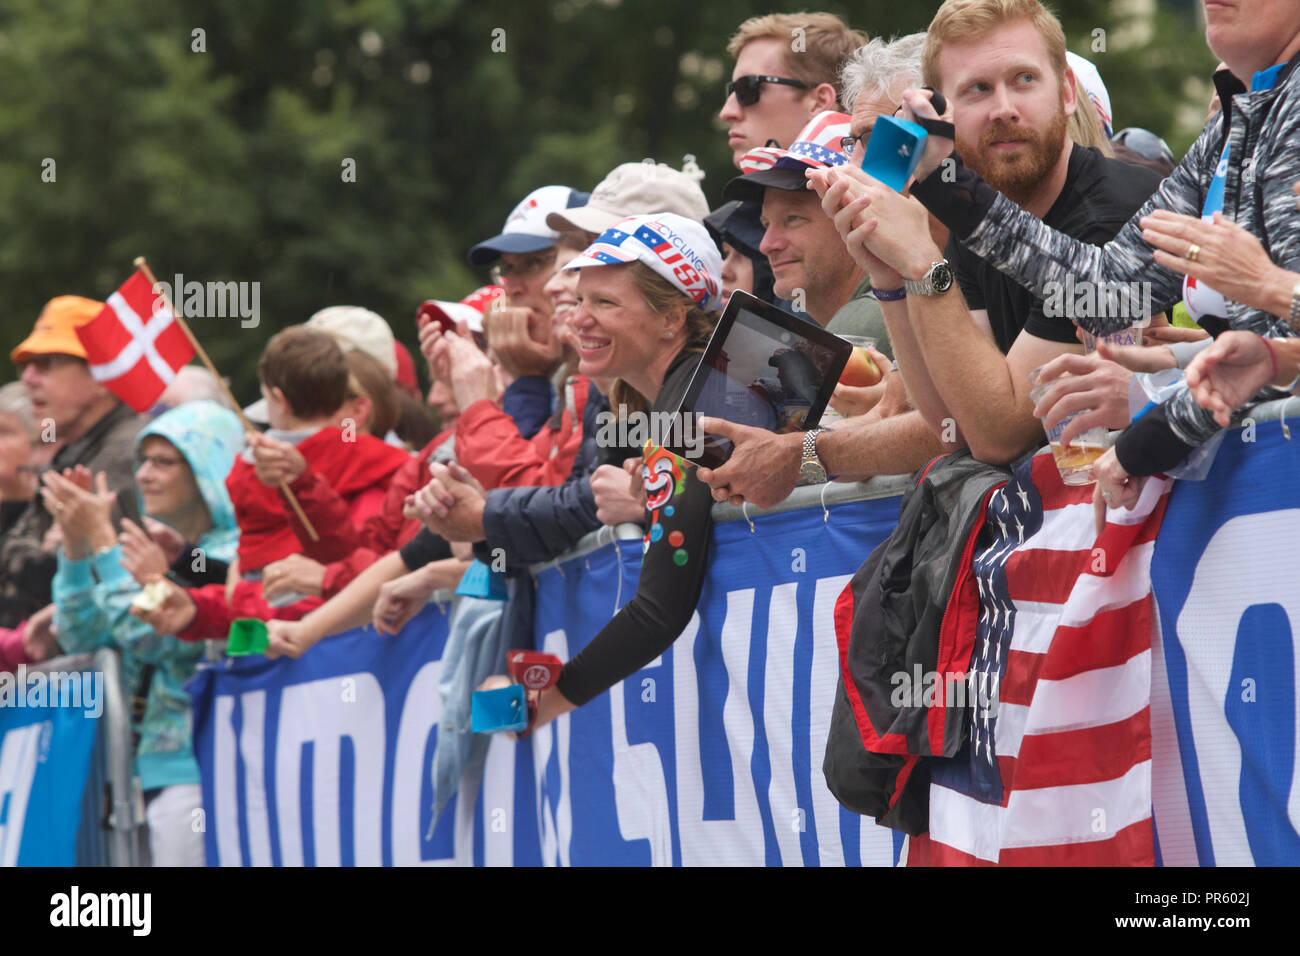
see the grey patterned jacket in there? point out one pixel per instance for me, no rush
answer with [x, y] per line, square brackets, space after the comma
[1264, 129]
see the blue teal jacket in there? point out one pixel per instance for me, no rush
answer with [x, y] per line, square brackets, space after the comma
[93, 597]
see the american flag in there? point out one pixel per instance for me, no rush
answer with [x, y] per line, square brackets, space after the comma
[816, 146]
[1057, 769]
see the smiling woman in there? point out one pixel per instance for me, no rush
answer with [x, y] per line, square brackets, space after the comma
[646, 297]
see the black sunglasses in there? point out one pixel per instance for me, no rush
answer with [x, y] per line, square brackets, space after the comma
[749, 88]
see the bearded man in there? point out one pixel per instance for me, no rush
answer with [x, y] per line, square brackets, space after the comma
[965, 336]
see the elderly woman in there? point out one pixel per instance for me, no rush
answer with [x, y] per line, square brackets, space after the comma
[1239, 171]
[643, 322]
[184, 456]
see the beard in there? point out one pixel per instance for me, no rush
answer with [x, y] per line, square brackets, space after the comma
[1020, 175]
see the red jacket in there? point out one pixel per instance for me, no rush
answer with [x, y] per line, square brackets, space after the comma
[387, 529]
[490, 447]
[342, 486]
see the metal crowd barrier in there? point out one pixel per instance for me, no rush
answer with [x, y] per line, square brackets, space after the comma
[805, 496]
[107, 835]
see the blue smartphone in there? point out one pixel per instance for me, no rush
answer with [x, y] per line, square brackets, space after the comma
[894, 151]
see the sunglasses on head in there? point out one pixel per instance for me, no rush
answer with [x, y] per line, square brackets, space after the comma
[749, 88]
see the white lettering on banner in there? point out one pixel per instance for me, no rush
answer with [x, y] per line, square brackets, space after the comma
[640, 788]
[1249, 562]
[778, 712]
[499, 794]
[309, 713]
[554, 811]
[420, 713]
[252, 750]
[225, 815]
[19, 749]
[821, 696]
[736, 842]
[875, 843]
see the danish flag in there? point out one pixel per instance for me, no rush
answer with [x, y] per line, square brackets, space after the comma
[135, 345]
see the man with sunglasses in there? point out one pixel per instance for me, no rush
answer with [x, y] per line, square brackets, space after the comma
[785, 74]
[86, 424]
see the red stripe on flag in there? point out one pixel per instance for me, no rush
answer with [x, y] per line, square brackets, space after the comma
[1045, 576]
[1088, 755]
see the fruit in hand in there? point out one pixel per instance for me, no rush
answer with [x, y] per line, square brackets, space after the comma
[860, 371]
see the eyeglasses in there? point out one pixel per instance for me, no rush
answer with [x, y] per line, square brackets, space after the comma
[850, 143]
[522, 270]
[161, 462]
[1145, 143]
[749, 88]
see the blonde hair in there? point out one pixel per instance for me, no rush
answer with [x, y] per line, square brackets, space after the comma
[960, 20]
[827, 41]
[661, 296]
[1085, 127]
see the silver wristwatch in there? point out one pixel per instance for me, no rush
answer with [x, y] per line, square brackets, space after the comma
[811, 468]
[936, 281]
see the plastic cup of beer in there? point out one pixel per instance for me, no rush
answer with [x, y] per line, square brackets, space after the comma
[1075, 460]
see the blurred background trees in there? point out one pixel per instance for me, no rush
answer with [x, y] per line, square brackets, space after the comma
[212, 135]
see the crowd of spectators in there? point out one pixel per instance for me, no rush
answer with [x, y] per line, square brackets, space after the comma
[502, 464]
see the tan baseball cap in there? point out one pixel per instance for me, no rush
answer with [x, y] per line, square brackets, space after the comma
[635, 189]
[359, 328]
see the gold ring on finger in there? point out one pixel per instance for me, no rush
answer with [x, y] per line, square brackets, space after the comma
[1193, 252]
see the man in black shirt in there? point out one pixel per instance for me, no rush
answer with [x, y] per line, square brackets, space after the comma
[966, 347]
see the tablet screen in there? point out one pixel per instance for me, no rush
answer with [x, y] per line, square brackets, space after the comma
[766, 369]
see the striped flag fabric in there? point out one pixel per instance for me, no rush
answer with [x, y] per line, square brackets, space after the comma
[1057, 767]
[816, 146]
[135, 346]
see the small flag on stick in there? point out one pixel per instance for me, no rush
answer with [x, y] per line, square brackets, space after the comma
[134, 346]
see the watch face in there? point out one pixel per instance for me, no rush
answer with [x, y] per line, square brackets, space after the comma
[941, 278]
[811, 471]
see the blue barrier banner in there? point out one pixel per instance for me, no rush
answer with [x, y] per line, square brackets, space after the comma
[325, 760]
[45, 748]
[713, 753]
[1226, 669]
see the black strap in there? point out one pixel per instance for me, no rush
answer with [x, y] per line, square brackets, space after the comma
[937, 127]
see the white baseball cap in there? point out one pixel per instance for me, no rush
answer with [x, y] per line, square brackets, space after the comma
[526, 229]
[359, 328]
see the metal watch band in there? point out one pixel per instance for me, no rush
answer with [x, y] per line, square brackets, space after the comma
[1294, 318]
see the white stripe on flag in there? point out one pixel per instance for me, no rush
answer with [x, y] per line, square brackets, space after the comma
[141, 344]
[1091, 594]
[1048, 816]
[1093, 698]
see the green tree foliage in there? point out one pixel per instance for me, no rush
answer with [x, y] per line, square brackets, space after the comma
[227, 164]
